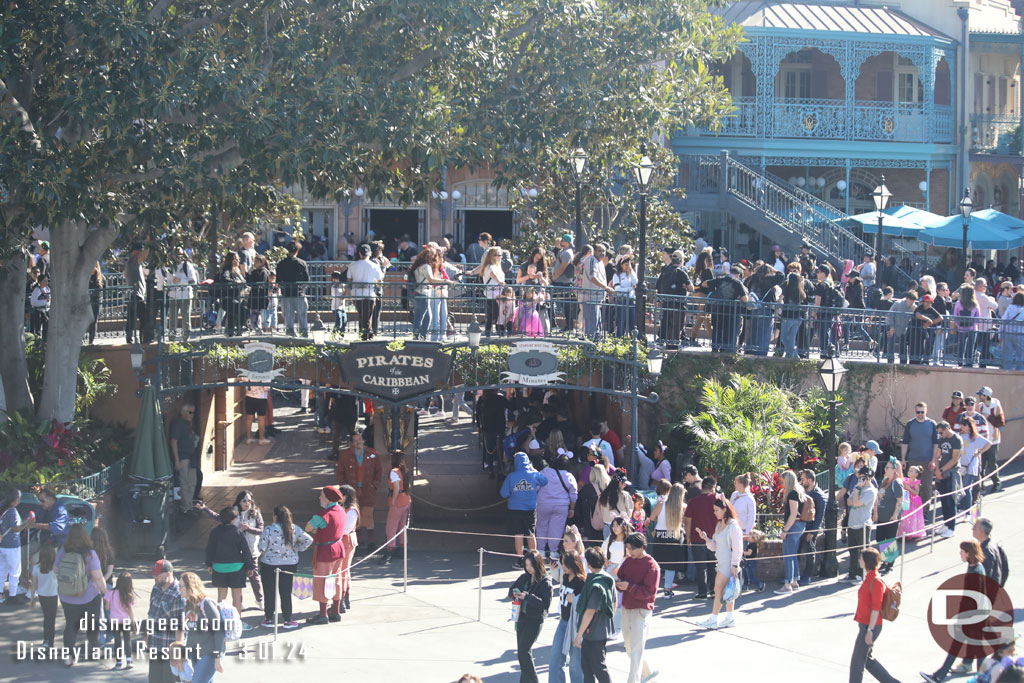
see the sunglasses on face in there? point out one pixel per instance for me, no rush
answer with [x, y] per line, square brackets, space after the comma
[920, 412]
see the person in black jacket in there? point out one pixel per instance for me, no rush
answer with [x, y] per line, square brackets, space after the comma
[490, 420]
[673, 281]
[533, 591]
[258, 277]
[229, 558]
[291, 273]
[996, 565]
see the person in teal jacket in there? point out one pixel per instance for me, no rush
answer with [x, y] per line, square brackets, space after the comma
[520, 487]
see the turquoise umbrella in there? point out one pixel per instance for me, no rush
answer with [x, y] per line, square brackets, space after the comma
[981, 234]
[150, 459]
[891, 225]
[918, 217]
[1003, 220]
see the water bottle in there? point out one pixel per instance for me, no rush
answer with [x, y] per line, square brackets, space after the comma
[515, 610]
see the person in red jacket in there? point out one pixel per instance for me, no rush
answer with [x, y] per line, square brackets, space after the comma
[360, 468]
[869, 620]
[638, 579]
[327, 529]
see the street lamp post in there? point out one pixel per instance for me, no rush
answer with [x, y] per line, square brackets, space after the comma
[966, 206]
[831, 372]
[654, 363]
[642, 172]
[881, 197]
[578, 161]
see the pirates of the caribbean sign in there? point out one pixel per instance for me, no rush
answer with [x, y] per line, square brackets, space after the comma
[394, 375]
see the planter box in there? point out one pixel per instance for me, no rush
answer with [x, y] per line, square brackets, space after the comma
[769, 559]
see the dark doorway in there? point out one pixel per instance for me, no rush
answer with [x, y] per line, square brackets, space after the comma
[498, 223]
[392, 225]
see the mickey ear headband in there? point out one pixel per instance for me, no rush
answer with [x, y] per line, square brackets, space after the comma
[568, 454]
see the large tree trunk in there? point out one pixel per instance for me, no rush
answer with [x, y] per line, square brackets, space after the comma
[74, 251]
[13, 366]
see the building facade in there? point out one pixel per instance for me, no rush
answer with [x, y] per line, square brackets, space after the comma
[830, 96]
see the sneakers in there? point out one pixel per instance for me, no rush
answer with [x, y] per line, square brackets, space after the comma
[946, 532]
[963, 667]
[728, 622]
[267, 623]
[700, 596]
[931, 678]
[854, 579]
[246, 627]
[709, 623]
[290, 624]
[784, 589]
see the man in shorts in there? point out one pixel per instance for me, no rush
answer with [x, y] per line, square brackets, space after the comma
[256, 405]
[520, 487]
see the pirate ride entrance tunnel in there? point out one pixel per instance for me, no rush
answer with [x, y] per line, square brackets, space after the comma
[393, 384]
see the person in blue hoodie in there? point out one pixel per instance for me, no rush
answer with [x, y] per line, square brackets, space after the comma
[520, 487]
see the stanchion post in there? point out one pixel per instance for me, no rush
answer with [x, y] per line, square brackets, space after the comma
[277, 582]
[405, 559]
[480, 588]
[931, 546]
[903, 554]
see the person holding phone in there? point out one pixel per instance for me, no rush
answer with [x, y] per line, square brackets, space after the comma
[533, 591]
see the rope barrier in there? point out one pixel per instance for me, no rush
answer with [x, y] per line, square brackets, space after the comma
[450, 509]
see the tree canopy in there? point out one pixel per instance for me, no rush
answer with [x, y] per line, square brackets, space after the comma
[121, 118]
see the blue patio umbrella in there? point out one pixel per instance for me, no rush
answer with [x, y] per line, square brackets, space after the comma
[981, 234]
[1003, 220]
[891, 225]
[913, 215]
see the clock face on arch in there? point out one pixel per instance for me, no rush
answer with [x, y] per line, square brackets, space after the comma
[533, 363]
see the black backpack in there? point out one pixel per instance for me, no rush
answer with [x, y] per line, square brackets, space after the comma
[833, 297]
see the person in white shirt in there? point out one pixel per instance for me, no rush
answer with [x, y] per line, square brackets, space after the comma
[179, 292]
[596, 443]
[363, 274]
[780, 259]
[988, 306]
[992, 409]
[743, 502]
[667, 535]
[40, 302]
[624, 283]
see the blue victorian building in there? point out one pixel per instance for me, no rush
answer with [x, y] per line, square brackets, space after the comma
[831, 96]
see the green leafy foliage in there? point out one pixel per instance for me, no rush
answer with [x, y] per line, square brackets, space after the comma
[746, 425]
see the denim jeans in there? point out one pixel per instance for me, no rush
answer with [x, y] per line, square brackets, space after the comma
[790, 547]
[790, 327]
[179, 308]
[420, 316]
[436, 326]
[203, 671]
[268, 318]
[591, 319]
[556, 667]
[292, 306]
[968, 500]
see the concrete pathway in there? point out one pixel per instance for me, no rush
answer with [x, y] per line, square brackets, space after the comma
[429, 631]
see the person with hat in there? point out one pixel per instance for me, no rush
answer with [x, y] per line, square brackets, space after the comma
[360, 468]
[992, 409]
[562, 278]
[951, 413]
[780, 259]
[806, 260]
[917, 447]
[672, 282]
[520, 487]
[971, 411]
[870, 452]
[861, 503]
[166, 621]
[327, 529]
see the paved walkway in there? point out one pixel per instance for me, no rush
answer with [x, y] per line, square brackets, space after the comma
[430, 631]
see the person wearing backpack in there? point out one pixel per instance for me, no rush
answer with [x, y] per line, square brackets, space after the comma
[204, 632]
[870, 597]
[813, 514]
[80, 587]
[672, 282]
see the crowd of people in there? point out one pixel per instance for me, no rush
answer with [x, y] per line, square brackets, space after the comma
[575, 510]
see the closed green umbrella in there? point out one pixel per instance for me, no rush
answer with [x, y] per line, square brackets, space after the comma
[150, 459]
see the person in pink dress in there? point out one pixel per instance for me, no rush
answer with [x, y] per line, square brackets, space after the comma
[527, 320]
[912, 524]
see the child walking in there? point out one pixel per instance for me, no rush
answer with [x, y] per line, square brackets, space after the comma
[338, 301]
[42, 587]
[506, 311]
[120, 602]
